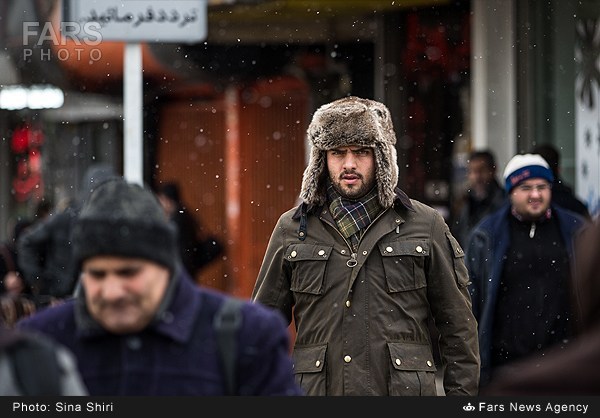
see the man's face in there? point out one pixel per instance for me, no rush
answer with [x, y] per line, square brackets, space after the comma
[352, 170]
[531, 198]
[479, 176]
[123, 294]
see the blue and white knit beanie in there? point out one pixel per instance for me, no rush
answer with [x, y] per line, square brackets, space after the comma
[525, 166]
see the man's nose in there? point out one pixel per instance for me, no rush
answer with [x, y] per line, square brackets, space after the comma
[349, 161]
[112, 288]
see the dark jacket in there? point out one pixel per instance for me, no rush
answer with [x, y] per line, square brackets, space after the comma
[572, 370]
[177, 354]
[363, 329]
[485, 255]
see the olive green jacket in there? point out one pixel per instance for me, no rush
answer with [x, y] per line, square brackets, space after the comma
[362, 319]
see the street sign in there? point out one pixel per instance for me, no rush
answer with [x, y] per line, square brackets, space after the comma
[179, 21]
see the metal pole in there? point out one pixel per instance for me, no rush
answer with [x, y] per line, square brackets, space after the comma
[133, 146]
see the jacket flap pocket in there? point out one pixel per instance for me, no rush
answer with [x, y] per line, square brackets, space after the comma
[304, 252]
[415, 357]
[396, 248]
[309, 359]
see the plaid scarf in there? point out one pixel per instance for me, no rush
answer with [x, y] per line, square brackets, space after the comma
[353, 216]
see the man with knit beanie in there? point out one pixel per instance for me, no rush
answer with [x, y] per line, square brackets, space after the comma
[520, 260]
[361, 269]
[140, 326]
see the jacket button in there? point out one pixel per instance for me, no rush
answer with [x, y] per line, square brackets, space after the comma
[294, 253]
[365, 252]
[134, 343]
[419, 249]
[348, 304]
[321, 252]
[429, 363]
[389, 249]
[398, 362]
[347, 359]
[317, 363]
[343, 251]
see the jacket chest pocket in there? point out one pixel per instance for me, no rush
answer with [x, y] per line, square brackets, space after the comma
[404, 264]
[308, 262]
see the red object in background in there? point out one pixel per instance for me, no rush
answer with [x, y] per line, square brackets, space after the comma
[27, 181]
[26, 137]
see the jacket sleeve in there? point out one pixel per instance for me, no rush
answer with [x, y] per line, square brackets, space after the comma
[272, 287]
[451, 308]
[475, 256]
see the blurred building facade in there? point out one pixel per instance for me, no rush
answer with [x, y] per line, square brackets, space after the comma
[226, 117]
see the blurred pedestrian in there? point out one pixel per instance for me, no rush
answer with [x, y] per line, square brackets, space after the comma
[562, 193]
[16, 298]
[484, 194]
[519, 260]
[139, 325]
[197, 248]
[34, 365]
[574, 370]
[44, 250]
[359, 267]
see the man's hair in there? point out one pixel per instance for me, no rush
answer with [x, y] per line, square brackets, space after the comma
[486, 156]
[550, 154]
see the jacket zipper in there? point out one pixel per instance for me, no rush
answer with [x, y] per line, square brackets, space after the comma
[532, 230]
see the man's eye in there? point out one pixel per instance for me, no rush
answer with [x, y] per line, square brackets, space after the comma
[96, 274]
[128, 271]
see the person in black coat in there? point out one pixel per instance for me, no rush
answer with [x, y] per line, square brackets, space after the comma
[197, 248]
[44, 250]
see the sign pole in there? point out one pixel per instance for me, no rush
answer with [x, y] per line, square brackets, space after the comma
[133, 144]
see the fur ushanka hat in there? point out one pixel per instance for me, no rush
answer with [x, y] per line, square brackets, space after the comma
[345, 122]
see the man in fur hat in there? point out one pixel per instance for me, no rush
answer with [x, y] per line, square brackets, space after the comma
[140, 326]
[360, 268]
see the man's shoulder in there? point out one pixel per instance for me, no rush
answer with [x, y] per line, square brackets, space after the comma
[53, 319]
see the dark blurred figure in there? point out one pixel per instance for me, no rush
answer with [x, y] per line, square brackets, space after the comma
[42, 210]
[574, 370]
[484, 195]
[34, 365]
[562, 194]
[197, 248]
[44, 250]
[16, 299]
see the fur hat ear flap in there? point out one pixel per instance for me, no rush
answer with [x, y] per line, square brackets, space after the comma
[312, 192]
[351, 121]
